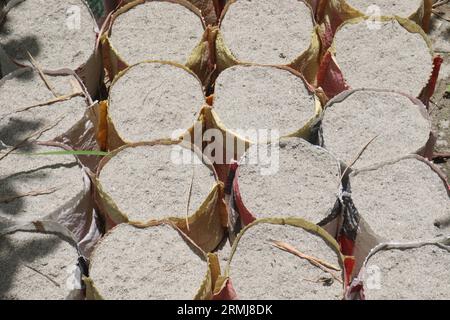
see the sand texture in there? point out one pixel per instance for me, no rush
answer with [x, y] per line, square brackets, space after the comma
[156, 31]
[399, 127]
[402, 8]
[376, 57]
[35, 266]
[402, 200]
[259, 271]
[146, 184]
[152, 101]
[26, 89]
[413, 274]
[154, 263]
[253, 98]
[51, 32]
[266, 31]
[31, 187]
[305, 185]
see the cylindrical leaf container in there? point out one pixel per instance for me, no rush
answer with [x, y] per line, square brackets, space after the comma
[54, 35]
[148, 182]
[288, 259]
[383, 124]
[268, 32]
[289, 178]
[390, 53]
[39, 107]
[39, 262]
[154, 263]
[170, 30]
[150, 101]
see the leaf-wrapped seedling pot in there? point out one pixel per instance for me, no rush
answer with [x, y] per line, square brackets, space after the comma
[268, 32]
[147, 182]
[405, 271]
[171, 30]
[39, 262]
[390, 53]
[382, 123]
[153, 263]
[333, 12]
[152, 100]
[258, 104]
[289, 259]
[37, 184]
[406, 199]
[57, 34]
[290, 177]
[29, 109]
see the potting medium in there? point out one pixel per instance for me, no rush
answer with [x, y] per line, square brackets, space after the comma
[402, 200]
[303, 181]
[371, 54]
[253, 98]
[147, 184]
[35, 266]
[386, 7]
[410, 274]
[389, 124]
[154, 263]
[156, 30]
[58, 34]
[154, 101]
[25, 111]
[267, 32]
[259, 270]
[34, 186]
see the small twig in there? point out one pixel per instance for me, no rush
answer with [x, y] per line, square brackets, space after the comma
[41, 73]
[351, 164]
[44, 275]
[31, 194]
[324, 266]
[189, 200]
[440, 3]
[50, 102]
[440, 15]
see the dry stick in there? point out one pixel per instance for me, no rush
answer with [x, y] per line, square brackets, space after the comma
[189, 201]
[440, 16]
[44, 275]
[37, 133]
[440, 3]
[50, 102]
[322, 265]
[41, 73]
[31, 193]
[357, 158]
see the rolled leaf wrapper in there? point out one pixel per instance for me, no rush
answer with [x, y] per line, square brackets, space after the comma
[297, 179]
[400, 271]
[383, 124]
[284, 258]
[171, 30]
[39, 261]
[403, 200]
[250, 32]
[55, 36]
[259, 104]
[332, 13]
[162, 170]
[371, 54]
[157, 262]
[149, 101]
[31, 103]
